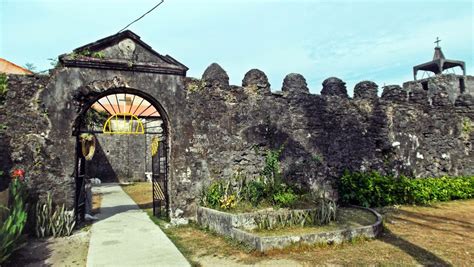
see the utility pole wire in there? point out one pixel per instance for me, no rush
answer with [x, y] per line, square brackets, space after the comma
[161, 2]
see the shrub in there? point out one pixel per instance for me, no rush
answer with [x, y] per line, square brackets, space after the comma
[268, 188]
[11, 229]
[271, 173]
[254, 192]
[212, 194]
[228, 202]
[373, 189]
[3, 87]
[52, 221]
[284, 198]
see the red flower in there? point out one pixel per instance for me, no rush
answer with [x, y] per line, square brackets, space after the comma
[18, 174]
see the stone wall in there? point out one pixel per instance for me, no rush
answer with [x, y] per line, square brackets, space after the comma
[119, 158]
[26, 142]
[406, 131]
[216, 129]
[450, 84]
[123, 158]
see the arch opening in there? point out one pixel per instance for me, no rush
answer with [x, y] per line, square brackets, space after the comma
[130, 132]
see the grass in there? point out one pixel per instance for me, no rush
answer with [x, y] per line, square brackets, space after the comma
[141, 193]
[96, 202]
[440, 234]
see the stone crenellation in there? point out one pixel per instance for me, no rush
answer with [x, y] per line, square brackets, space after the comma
[421, 129]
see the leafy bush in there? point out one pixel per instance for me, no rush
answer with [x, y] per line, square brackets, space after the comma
[3, 87]
[11, 229]
[254, 192]
[373, 189]
[424, 191]
[271, 173]
[219, 195]
[211, 195]
[228, 202]
[284, 198]
[267, 188]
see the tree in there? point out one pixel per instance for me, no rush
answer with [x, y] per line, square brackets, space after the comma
[30, 66]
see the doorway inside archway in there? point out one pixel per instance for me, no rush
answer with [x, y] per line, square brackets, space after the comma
[121, 137]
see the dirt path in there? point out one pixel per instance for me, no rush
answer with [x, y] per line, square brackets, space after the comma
[64, 251]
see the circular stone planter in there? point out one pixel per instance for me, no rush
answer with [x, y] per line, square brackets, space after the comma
[239, 227]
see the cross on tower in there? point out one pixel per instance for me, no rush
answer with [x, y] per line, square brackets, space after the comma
[437, 41]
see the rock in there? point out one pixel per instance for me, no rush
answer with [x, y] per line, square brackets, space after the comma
[366, 90]
[440, 98]
[257, 78]
[394, 93]
[179, 221]
[334, 87]
[295, 83]
[464, 100]
[215, 76]
[418, 96]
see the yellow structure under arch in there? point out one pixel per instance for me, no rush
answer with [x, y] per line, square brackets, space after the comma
[123, 123]
[155, 143]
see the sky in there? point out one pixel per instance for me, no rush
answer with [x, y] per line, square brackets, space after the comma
[352, 40]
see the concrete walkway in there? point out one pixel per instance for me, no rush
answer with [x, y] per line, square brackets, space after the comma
[125, 235]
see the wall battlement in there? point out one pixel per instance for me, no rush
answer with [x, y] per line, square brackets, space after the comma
[217, 129]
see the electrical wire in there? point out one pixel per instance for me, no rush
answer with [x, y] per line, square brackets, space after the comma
[161, 2]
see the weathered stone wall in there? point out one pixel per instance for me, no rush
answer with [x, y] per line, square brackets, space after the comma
[66, 84]
[450, 84]
[26, 143]
[119, 158]
[406, 131]
[216, 129]
[123, 158]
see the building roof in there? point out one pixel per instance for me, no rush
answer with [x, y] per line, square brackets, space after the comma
[12, 68]
[122, 103]
[139, 111]
[123, 51]
[439, 63]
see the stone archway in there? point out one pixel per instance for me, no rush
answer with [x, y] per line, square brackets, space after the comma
[102, 118]
[126, 64]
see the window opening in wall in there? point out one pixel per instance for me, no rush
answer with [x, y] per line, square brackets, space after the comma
[425, 86]
[462, 86]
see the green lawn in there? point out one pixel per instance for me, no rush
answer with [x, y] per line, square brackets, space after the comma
[441, 234]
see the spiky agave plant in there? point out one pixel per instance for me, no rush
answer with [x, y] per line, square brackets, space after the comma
[326, 211]
[53, 222]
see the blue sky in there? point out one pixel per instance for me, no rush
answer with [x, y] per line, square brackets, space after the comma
[352, 40]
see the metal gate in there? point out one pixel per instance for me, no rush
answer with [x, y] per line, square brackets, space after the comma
[80, 172]
[134, 113]
[159, 177]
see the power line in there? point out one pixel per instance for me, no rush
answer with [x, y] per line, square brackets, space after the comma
[161, 2]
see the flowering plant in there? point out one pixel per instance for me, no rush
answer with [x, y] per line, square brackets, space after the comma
[18, 174]
[11, 229]
[18, 187]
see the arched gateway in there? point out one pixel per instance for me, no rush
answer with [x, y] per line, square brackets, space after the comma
[122, 136]
[118, 93]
